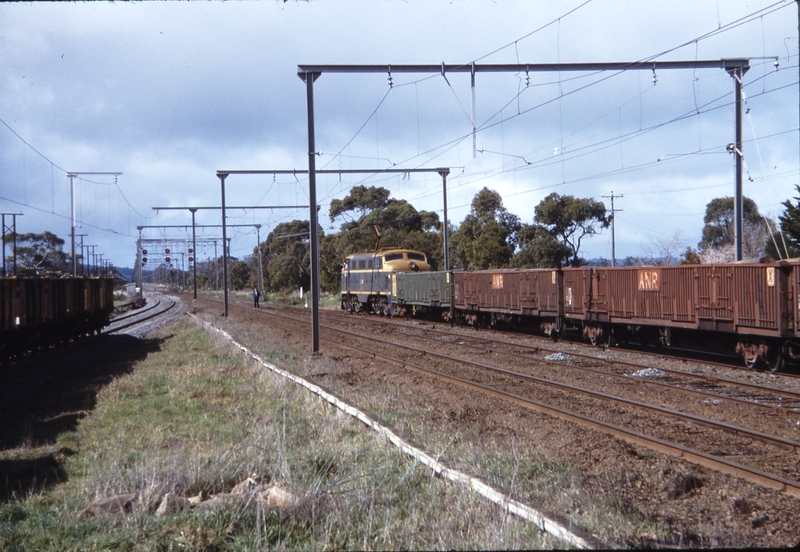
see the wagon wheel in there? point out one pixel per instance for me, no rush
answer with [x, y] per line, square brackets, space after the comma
[607, 338]
[750, 359]
[355, 304]
[774, 360]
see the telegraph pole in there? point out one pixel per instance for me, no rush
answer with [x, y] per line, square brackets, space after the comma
[613, 220]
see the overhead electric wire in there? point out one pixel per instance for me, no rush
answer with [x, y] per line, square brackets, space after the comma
[82, 223]
[486, 125]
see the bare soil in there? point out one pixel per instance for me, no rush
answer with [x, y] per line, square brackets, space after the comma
[679, 503]
[682, 504]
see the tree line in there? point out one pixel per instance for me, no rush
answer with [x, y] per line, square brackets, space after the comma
[489, 237]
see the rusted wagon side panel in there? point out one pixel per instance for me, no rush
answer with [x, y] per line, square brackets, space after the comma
[662, 296]
[793, 299]
[715, 297]
[467, 290]
[540, 292]
[39, 312]
[489, 290]
[464, 295]
[576, 293]
[760, 299]
[729, 298]
[676, 294]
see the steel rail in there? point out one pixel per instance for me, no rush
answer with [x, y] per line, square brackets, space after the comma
[625, 377]
[137, 312]
[699, 377]
[780, 442]
[711, 461]
[109, 330]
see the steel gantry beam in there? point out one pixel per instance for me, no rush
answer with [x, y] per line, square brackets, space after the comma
[313, 236]
[736, 67]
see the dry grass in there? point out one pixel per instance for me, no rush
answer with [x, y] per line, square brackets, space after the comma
[197, 417]
[523, 469]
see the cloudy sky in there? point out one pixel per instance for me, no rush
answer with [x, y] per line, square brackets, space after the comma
[167, 93]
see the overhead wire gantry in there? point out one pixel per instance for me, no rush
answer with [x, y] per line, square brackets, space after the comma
[736, 67]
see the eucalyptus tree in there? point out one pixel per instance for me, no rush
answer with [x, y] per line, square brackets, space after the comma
[570, 219]
[487, 238]
[371, 219]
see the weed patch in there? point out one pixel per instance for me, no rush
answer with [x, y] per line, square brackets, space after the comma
[194, 420]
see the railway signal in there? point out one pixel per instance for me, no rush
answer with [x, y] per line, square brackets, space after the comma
[144, 260]
[144, 251]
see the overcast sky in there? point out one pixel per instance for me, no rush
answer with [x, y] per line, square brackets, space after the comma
[167, 93]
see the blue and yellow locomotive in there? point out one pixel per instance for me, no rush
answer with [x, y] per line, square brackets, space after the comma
[367, 278]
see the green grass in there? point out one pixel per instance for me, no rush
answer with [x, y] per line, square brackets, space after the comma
[197, 417]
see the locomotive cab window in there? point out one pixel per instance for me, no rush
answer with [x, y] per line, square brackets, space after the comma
[416, 257]
[394, 257]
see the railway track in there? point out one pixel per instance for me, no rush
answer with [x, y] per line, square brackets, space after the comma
[162, 306]
[767, 459]
[713, 387]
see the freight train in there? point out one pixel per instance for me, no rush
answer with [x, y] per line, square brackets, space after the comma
[750, 309]
[39, 312]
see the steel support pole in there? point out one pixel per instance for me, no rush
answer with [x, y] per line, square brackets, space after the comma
[737, 202]
[309, 79]
[140, 280]
[738, 216]
[138, 271]
[258, 252]
[613, 233]
[194, 253]
[216, 267]
[445, 246]
[13, 231]
[222, 178]
[83, 260]
[72, 211]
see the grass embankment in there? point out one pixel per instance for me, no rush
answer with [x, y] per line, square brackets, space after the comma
[197, 418]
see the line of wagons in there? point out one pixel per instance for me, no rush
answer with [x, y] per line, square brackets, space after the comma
[750, 309]
[39, 312]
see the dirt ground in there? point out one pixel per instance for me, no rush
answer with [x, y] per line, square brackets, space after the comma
[678, 503]
[682, 504]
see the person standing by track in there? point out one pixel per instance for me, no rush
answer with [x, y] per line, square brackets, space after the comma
[255, 297]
